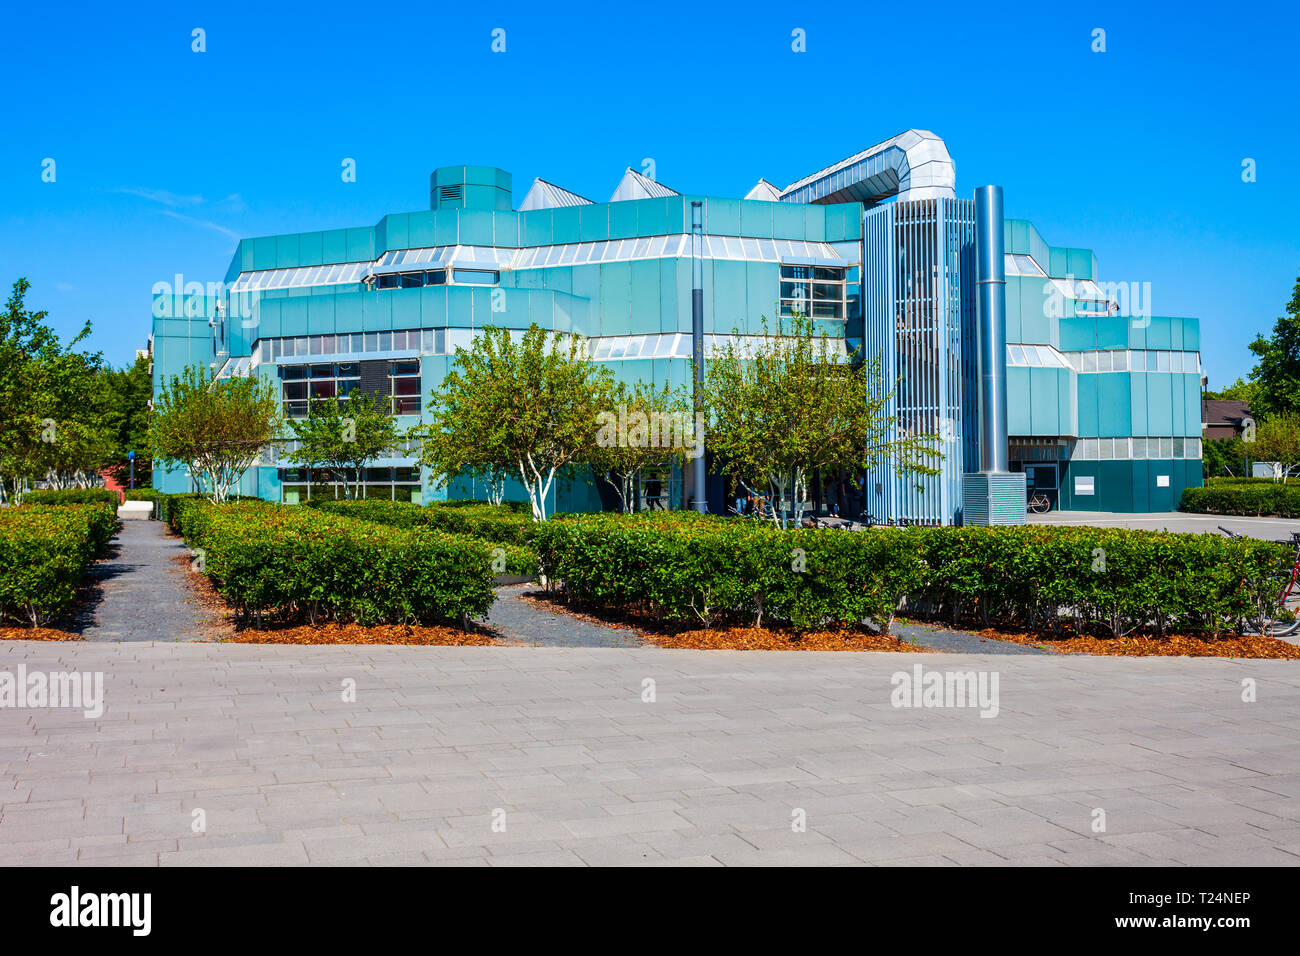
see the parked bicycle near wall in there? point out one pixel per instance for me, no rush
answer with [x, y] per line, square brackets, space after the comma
[1039, 504]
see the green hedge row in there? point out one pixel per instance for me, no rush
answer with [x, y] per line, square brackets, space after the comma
[497, 525]
[171, 508]
[45, 552]
[714, 571]
[1255, 498]
[301, 563]
[72, 496]
[1212, 480]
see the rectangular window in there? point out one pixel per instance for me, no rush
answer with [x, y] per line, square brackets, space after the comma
[817, 292]
[391, 281]
[404, 380]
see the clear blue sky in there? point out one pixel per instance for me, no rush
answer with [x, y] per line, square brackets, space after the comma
[165, 156]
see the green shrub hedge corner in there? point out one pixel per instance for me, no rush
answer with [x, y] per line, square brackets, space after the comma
[72, 496]
[266, 558]
[45, 552]
[1253, 498]
[686, 567]
[714, 572]
[497, 525]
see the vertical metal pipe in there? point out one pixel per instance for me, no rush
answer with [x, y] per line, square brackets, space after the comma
[697, 343]
[991, 292]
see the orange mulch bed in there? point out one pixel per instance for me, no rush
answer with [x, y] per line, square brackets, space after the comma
[38, 634]
[767, 639]
[334, 633]
[1145, 645]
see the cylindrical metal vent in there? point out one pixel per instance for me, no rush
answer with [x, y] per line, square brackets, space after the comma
[697, 344]
[991, 286]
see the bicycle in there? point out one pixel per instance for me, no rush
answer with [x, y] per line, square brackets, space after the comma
[1283, 618]
[1039, 504]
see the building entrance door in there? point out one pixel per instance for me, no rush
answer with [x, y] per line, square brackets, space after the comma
[1043, 480]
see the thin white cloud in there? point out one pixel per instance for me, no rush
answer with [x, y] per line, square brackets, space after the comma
[162, 196]
[205, 223]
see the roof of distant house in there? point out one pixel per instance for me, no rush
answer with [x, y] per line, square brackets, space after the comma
[1224, 411]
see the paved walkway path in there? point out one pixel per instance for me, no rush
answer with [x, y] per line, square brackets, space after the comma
[519, 621]
[143, 594]
[563, 748]
[959, 642]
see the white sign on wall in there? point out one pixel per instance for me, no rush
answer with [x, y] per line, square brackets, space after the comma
[1162, 481]
[1083, 485]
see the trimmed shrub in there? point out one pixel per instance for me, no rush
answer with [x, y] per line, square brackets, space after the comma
[467, 520]
[45, 552]
[171, 507]
[713, 571]
[1254, 498]
[300, 563]
[681, 566]
[72, 496]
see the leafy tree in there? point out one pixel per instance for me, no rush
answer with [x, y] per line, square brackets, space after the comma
[779, 412]
[52, 426]
[644, 428]
[1277, 439]
[526, 406]
[127, 393]
[1240, 390]
[1277, 373]
[216, 427]
[342, 437]
[1223, 457]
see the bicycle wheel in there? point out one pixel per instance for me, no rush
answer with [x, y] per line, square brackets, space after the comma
[1286, 617]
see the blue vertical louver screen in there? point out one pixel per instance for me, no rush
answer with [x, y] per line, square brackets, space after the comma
[918, 322]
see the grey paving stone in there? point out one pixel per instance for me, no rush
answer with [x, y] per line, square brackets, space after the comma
[588, 774]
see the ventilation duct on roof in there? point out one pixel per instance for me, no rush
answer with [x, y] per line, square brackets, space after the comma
[912, 165]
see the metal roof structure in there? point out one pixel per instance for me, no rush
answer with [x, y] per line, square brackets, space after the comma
[544, 195]
[634, 185]
[911, 165]
[765, 191]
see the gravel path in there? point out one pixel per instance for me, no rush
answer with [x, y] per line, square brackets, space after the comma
[143, 593]
[958, 642]
[525, 622]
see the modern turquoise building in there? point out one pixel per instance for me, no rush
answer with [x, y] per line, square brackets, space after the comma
[877, 250]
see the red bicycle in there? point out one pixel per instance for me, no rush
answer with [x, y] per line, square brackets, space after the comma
[1283, 618]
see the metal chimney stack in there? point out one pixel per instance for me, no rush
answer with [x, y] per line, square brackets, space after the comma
[991, 289]
[993, 495]
[697, 342]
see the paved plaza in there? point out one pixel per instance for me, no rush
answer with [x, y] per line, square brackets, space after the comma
[233, 754]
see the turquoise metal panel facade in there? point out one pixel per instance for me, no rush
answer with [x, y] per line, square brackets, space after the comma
[1104, 397]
